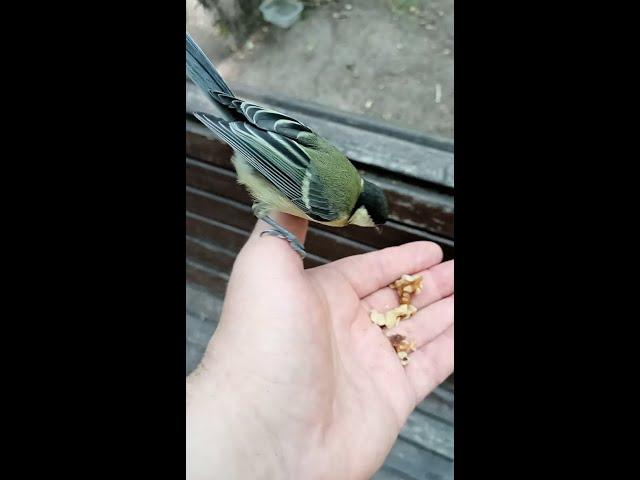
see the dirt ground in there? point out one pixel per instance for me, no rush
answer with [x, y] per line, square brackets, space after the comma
[387, 59]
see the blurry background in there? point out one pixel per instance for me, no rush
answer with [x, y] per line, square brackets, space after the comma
[388, 64]
[387, 59]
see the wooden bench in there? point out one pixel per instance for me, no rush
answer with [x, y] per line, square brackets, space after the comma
[416, 172]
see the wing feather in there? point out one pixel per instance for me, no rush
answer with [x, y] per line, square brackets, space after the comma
[279, 159]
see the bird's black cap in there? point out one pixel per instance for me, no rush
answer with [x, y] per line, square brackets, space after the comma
[375, 201]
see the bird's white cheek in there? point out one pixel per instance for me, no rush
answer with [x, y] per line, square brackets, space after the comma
[361, 217]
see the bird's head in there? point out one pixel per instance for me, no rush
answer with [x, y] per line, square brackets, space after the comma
[371, 209]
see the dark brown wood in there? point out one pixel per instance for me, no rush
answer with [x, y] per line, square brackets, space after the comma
[430, 211]
[220, 236]
[325, 242]
[209, 254]
[224, 236]
[201, 145]
[415, 206]
[215, 180]
[220, 209]
[215, 282]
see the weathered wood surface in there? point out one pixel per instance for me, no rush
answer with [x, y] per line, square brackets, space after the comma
[372, 148]
[424, 449]
[414, 211]
[410, 205]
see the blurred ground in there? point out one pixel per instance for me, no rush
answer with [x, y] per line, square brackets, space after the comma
[387, 59]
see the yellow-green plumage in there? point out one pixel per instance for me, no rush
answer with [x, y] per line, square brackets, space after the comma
[341, 181]
[285, 166]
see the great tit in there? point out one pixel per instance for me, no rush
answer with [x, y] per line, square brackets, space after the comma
[284, 165]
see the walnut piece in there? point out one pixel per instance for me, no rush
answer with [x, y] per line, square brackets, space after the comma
[391, 318]
[402, 346]
[406, 286]
[404, 358]
[378, 318]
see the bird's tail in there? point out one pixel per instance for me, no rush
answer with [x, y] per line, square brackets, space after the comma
[202, 72]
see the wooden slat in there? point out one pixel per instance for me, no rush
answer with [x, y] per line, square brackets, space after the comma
[416, 462]
[430, 433]
[389, 473]
[200, 330]
[417, 207]
[209, 255]
[202, 304]
[349, 240]
[226, 237]
[408, 204]
[194, 354]
[438, 404]
[215, 180]
[215, 282]
[365, 146]
[202, 145]
[323, 244]
[392, 234]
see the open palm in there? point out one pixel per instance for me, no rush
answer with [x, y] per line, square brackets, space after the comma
[317, 388]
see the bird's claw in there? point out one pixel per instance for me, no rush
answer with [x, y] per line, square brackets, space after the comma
[293, 241]
[279, 231]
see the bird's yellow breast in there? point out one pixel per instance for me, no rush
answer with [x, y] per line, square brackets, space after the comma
[265, 193]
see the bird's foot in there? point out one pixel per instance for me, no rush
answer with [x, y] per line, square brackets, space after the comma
[281, 232]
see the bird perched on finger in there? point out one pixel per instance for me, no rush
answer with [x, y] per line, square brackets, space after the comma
[284, 165]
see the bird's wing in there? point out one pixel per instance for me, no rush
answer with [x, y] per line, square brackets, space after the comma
[264, 118]
[279, 159]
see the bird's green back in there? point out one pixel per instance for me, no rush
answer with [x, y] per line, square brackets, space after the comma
[341, 181]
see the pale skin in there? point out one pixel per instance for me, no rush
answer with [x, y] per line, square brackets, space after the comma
[297, 382]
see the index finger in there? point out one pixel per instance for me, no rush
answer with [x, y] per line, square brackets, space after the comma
[273, 253]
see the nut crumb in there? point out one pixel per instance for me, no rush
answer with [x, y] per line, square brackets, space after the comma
[392, 317]
[401, 344]
[404, 358]
[377, 317]
[403, 347]
[406, 286]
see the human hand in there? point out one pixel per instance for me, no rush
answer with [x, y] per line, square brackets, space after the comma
[297, 382]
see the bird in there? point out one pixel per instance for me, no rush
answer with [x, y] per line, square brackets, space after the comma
[285, 166]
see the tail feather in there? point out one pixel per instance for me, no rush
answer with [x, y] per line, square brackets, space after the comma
[204, 74]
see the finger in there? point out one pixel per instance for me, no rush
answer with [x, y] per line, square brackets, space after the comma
[297, 226]
[273, 253]
[372, 271]
[437, 283]
[430, 365]
[429, 323]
